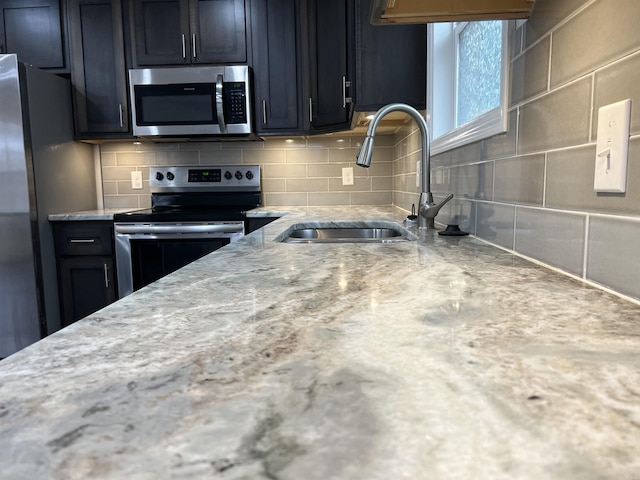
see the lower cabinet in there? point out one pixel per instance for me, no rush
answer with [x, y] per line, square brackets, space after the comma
[86, 267]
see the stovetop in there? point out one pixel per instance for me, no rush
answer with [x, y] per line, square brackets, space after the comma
[199, 193]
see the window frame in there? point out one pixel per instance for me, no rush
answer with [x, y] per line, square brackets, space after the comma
[444, 78]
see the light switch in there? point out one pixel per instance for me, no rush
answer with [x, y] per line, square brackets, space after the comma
[136, 180]
[612, 147]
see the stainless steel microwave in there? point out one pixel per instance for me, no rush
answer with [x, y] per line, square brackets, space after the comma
[191, 101]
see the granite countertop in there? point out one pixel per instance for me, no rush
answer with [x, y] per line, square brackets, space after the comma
[98, 214]
[443, 358]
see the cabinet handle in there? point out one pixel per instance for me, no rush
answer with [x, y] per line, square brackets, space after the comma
[193, 45]
[310, 110]
[345, 84]
[184, 47]
[106, 275]
[121, 113]
[82, 240]
[264, 112]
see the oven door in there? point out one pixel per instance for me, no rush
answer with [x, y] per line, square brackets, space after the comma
[146, 252]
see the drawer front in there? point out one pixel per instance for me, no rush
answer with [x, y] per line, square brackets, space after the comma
[83, 238]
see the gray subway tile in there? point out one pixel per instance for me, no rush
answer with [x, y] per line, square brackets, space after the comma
[470, 181]
[556, 120]
[319, 155]
[530, 72]
[307, 185]
[284, 171]
[124, 159]
[602, 32]
[372, 198]
[520, 180]
[618, 82]
[552, 237]
[613, 253]
[546, 15]
[284, 199]
[178, 158]
[262, 156]
[331, 198]
[495, 223]
[224, 157]
[504, 144]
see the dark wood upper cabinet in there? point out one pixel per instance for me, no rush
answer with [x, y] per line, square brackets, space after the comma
[330, 60]
[391, 62]
[98, 71]
[175, 32]
[33, 29]
[277, 66]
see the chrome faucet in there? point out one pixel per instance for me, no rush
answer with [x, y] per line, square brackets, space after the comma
[427, 209]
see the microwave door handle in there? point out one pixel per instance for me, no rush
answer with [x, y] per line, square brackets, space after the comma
[220, 104]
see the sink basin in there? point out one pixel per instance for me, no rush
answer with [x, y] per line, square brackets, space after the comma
[342, 233]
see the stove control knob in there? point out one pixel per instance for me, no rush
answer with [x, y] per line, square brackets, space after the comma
[228, 175]
[170, 176]
[239, 175]
[249, 175]
[159, 176]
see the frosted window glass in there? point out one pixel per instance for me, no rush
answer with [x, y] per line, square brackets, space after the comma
[479, 63]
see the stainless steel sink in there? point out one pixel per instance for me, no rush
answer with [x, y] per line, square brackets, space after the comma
[346, 234]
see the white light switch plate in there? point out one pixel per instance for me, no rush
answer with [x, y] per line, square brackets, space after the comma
[612, 147]
[136, 180]
[347, 176]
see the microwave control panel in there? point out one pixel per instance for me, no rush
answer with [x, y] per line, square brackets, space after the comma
[235, 102]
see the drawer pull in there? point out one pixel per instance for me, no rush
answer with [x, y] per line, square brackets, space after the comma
[82, 240]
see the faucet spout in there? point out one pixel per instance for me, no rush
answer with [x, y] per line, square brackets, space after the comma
[427, 209]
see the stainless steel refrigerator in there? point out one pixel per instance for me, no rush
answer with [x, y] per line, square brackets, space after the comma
[42, 171]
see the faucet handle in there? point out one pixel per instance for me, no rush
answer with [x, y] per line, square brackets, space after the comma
[428, 210]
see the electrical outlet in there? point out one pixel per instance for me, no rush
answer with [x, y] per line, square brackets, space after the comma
[612, 147]
[136, 180]
[347, 176]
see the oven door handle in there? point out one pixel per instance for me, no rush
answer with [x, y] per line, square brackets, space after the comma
[178, 229]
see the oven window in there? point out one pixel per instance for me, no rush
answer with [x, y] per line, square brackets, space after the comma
[185, 104]
[153, 259]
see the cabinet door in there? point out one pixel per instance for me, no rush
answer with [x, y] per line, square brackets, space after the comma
[331, 32]
[161, 31]
[98, 70]
[276, 66]
[86, 285]
[33, 30]
[391, 62]
[218, 31]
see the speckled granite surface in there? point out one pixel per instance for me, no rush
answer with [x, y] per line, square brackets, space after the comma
[99, 214]
[436, 359]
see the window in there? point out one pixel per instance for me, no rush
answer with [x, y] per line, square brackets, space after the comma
[467, 82]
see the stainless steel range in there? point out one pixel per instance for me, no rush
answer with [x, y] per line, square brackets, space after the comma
[195, 210]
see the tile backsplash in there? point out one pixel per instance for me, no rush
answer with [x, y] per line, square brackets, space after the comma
[529, 190]
[295, 171]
